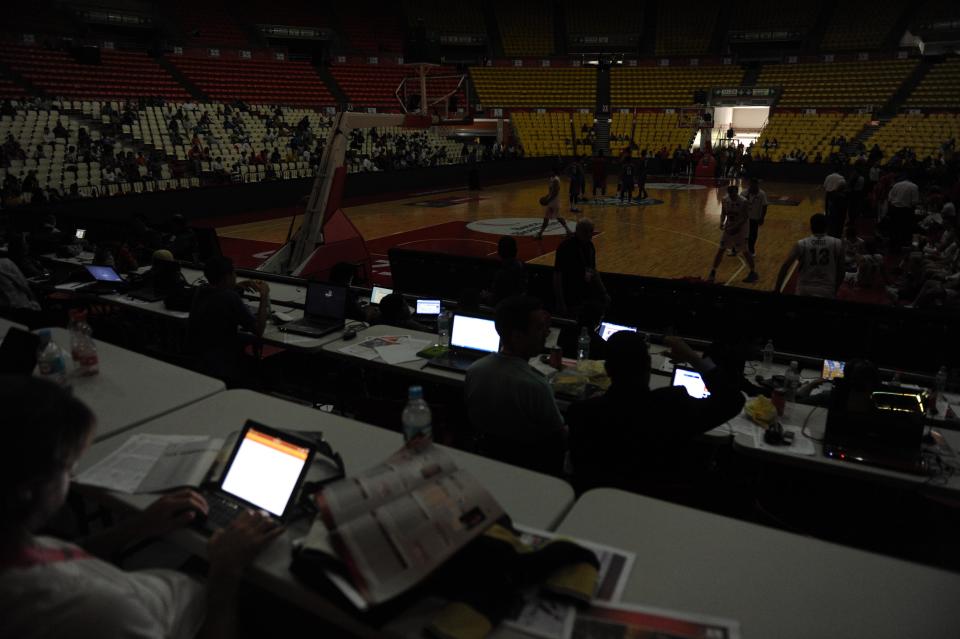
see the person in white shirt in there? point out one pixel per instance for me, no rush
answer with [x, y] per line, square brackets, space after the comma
[821, 262]
[756, 212]
[901, 203]
[52, 588]
[833, 185]
[551, 204]
[733, 221]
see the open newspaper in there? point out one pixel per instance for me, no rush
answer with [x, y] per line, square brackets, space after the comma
[393, 524]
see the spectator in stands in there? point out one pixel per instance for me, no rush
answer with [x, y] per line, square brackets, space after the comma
[820, 262]
[59, 131]
[48, 136]
[218, 312]
[756, 212]
[902, 201]
[576, 280]
[510, 278]
[394, 311]
[77, 587]
[733, 222]
[868, 285]
[510, 405]
[633, 436]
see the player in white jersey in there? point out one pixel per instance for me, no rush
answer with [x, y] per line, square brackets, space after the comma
[820, 260]
[551, 204]
[733, 221]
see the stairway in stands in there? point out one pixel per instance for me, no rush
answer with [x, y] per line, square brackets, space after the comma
[184, 81]
[865, 134]
[601, 130]
[493, 31]
[912, 81]
[335, 89]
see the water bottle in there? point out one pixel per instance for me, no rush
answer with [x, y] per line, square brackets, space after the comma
[583, 344]
[416, 417]
[940, 381]
[50, 359]
[82, 347]
[443, 328]
[768, 356]
[792, 381]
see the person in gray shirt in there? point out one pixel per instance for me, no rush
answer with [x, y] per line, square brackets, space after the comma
[509, 404]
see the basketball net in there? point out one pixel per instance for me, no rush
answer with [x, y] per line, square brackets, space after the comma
[689, 117]
[441, 91]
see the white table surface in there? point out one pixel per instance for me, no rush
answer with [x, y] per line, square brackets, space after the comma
[776, 584]
[796, 414]
[132, 388]
[530, 498]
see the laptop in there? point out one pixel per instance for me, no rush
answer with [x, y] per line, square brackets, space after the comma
[832, 369]
[18, 352]
[885, 431]
[378, 293]
[609, 328]
[265, 470]
[471, 338]
[324, 311]
[80, 234]
[691, 380]
[106, 280]
[428, 309]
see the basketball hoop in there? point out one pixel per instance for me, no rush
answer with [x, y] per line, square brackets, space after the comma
[435, 92]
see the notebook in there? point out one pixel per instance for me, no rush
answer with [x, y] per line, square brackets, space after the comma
[324, 311]
[609, 328]
[690, 380]
[471, 338]
[265, 470]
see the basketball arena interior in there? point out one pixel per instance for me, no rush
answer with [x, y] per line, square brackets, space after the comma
[679, 285]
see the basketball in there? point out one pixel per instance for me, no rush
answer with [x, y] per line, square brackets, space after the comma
[544, 200]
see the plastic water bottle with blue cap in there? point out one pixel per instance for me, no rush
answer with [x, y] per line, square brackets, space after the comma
[416, 417]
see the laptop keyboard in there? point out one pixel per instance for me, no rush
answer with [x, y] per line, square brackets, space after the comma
[222, 511]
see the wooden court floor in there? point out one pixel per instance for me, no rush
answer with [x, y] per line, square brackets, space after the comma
[673, 239]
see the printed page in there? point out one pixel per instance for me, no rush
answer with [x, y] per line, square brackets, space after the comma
[182, 464]
[126, 468]
[392, 548]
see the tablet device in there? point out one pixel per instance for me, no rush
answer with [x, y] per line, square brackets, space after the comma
[609, 328]
[690, 380]
[832, 369]
[378, 293]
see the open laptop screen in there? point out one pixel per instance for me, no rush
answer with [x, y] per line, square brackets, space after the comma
[265, 470]
[103, 273]
[832, 369]
[378, 293]
[326, 301]
[428, 307]
[607, 329]
[690, 380]
[475, 333]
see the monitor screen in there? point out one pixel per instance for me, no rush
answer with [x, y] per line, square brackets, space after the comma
[378, 293]
[692, 381]
[833, 369]
[428, 307]
[326, 300]
[265, 470]
[81, 233]
[103, 273]
[476, 333]
[607, 329]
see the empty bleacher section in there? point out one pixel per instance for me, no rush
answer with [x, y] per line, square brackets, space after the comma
[119, 75]
[548, 134]
[526, 28]
[376, 85]
[258, 80]
[922, 134]
[811, 133]
[940, 88]
[535, 87]
[371, 27]
[10, 89]
[585, 19]
[467, 20]
[209, 24]
[756, 15]
[685, 28]
[837, 84]
[656, 86]
[650, 131]
[860, 25]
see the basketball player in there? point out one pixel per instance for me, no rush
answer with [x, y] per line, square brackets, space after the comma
[733, 221]
[626, 179]
[820, 259]
[551, 204]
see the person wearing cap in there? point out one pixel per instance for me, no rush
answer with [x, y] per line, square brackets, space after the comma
[632, 436]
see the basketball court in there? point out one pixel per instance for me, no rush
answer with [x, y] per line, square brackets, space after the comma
[672, 234]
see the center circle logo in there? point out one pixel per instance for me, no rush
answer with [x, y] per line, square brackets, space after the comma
[518, 226]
